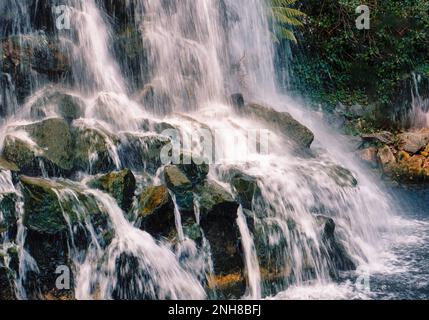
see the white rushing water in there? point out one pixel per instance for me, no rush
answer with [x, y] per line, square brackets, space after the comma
[199, 53]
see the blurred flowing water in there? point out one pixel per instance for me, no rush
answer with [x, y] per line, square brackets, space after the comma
[197, 53]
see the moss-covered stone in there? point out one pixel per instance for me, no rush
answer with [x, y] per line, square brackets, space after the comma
[156, 211]
[283, 122]
[218, 219]
[142, 152]
[178, 182]
[54, 148]
[120, 185]
[93, 151]
[7, 288]
[8, 213]
[46, 211]
[60, 103]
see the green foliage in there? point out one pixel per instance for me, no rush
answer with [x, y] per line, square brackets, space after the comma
[337, 62]
[285, 18]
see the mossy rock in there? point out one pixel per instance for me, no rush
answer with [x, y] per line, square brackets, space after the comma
[93, 149]
[7, 287]
[46, 213]
[142, 153]
[177, 181]
[120, 185]
[283, 122]
[60, 103]
[156, 211]
[246, 188]
[218, 220]
[8, 211]
[54, 148]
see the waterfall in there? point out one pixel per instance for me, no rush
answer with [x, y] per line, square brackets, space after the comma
[198, 53]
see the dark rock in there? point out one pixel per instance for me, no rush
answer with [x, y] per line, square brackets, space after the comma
[120, 185]
[48, 213]
[237, 100]
[8, 225]
[195, 168]
[155, 99]
[384, 137]
[283, 122]
[62, 104]
[156, 211]
[339, 258]
[342, 176]
[142, 152]
[7, 287]
[218, 219]
[32, 57]
[94, 149]
[54, 148]
[246, 188]
[181, 186]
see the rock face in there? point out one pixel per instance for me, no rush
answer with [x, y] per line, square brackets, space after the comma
[59, 103]
[33, 56]
[336, 253]
[246, 188]
[7, 288]
[95, 150]
[413, 142]
[8, 214]
[142, 152]
[120, 185]
[54, 148]
[283, 122]
[51, 210]
[156, 212]
[219, 222]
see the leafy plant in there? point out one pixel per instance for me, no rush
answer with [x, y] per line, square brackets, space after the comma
[285, 18]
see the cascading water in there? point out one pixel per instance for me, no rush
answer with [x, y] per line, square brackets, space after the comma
[198, 53]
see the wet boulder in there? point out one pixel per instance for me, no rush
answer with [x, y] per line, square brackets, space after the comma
[156, 99]
[7, 286]
[56, 215]
[95, 149]
[32, 57]
[156, 212]
[120, 185]
[6, 166]
[177, 181]
[142, 152]
[337, 255]
[8, 217]
[54, 102]
[50, 148]
[342, 176]
[218, 220]
[283, 122]
[246, 188]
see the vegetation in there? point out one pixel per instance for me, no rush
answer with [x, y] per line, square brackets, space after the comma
[336, 62]
[285, 18]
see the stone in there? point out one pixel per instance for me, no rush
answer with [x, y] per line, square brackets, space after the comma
[336, 252]
[142, 153]
[218, 220]
[246, 188]
[283, 122]
[383, 137]
[413, 142]
[386, 156]
[53, 148]
[120, 185]
[181, 186]
[369, 156]
[59, 103]
[156, 211]
[155, 99]
[95, 149]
